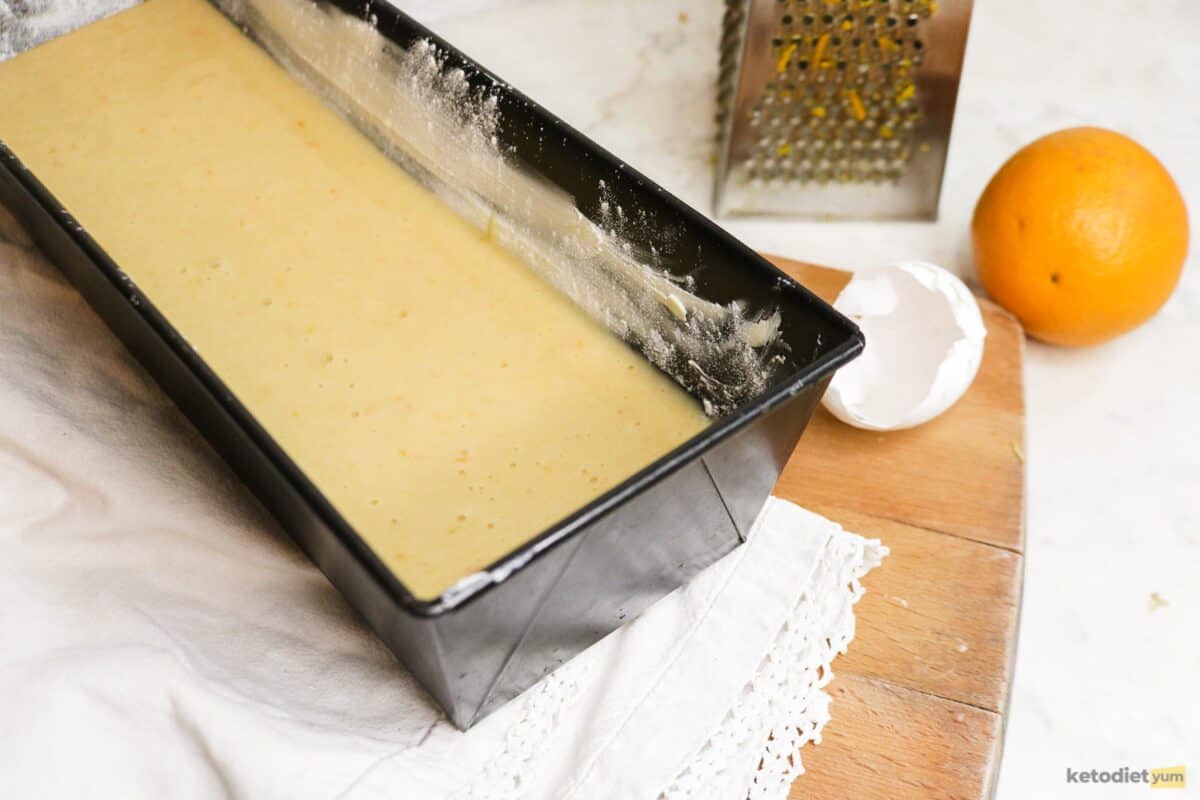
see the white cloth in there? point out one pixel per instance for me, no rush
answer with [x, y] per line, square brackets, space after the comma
[161, 637]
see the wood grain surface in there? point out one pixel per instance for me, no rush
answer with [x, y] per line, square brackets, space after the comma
[920, 699]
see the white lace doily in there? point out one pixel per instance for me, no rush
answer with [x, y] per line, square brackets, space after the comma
[785, 705]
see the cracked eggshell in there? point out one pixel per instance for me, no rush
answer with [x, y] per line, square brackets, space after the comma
[924, 335]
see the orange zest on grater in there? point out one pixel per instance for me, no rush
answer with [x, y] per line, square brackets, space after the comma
[837, 109]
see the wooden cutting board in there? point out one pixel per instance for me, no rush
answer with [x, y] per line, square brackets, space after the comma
[919, 701]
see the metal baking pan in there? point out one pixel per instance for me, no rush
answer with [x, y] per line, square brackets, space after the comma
[496, 633]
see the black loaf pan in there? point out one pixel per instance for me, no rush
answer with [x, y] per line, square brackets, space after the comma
[481, 644]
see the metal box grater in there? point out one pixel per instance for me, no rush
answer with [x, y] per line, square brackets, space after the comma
[837, 109]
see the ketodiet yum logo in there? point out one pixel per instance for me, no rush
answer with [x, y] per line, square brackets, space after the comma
[1160, 778]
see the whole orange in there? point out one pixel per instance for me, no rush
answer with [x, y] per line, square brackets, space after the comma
[1082, 235]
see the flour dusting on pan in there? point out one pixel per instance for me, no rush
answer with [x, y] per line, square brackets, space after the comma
[442, 128]
[28, 23]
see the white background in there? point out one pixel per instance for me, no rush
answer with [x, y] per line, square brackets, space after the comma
[1113, 440]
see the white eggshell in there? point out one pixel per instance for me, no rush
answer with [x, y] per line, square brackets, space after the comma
[924, 338]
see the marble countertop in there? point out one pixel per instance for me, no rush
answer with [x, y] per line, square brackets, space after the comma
[1105, 676]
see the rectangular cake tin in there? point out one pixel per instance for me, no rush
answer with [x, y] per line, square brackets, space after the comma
[498, 632]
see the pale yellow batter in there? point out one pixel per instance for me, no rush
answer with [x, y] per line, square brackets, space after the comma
[449, 403]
